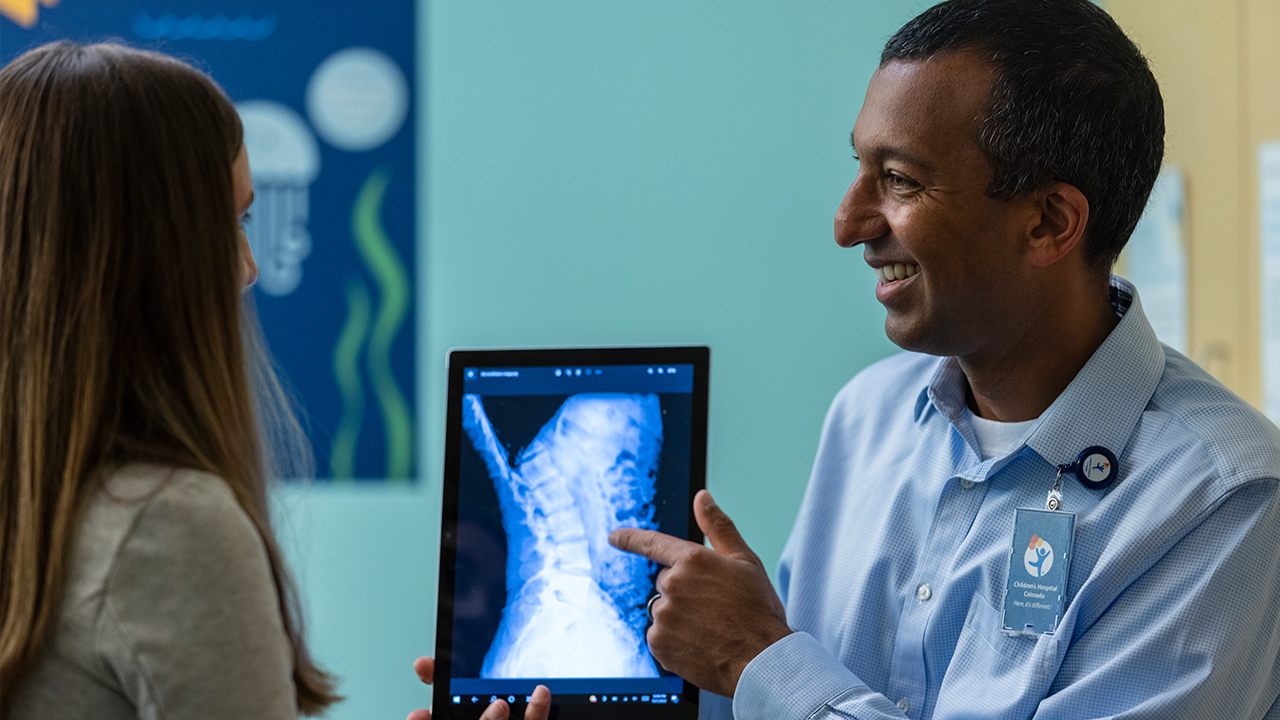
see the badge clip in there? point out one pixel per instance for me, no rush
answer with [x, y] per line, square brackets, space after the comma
[1054, 501]
[1095, 467]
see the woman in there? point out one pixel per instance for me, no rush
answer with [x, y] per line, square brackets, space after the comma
[139, 576]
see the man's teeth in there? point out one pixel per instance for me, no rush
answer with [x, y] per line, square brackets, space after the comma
[896, 271]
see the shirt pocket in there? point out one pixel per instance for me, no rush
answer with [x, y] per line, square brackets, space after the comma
[992, 674]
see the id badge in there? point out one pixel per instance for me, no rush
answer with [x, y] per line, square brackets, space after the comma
[1039, 563]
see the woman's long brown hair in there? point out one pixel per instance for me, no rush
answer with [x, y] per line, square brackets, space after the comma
[122, 330]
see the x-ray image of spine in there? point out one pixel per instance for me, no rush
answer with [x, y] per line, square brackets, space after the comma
[284, 158]
[575, 605]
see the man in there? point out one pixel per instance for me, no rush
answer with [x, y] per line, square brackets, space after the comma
[1007, 149]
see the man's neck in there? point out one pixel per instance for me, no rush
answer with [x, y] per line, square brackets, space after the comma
[1020, 382]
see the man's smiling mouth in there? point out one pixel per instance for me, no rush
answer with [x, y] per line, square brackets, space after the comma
[896, 271]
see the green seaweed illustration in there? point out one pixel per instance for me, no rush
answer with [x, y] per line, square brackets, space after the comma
[392, 280]
[346, 368]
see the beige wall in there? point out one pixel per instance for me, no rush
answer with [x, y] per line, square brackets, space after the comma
[1217, 62]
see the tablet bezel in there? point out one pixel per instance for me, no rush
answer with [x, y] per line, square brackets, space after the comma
[700, 358]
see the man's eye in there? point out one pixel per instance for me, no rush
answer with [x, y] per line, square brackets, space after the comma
[244, 220]
[898, 182]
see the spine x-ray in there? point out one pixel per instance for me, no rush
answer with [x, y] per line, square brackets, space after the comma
[575, 606]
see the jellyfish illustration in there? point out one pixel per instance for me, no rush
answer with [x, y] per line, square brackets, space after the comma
[284, 159]
[575, 604]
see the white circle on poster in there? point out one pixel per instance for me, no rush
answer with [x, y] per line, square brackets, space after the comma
[358, 99]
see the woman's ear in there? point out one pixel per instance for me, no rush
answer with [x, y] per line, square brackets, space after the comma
[1058, 226]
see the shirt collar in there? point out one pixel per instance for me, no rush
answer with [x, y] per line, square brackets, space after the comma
[1101, 405]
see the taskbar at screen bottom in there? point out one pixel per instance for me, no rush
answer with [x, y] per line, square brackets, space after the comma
[633, 692]
[663, 687]
[517, 701]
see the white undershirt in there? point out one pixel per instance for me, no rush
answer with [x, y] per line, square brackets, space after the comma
[997, 438]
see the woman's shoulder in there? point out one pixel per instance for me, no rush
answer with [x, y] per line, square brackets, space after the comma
[143, 488]
[143, 507]
[150, 504]
[169, 602]
[155, 495]
[175, 522]
[190, 596]
[162, 534]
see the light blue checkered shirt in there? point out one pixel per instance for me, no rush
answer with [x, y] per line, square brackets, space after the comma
[895, 573]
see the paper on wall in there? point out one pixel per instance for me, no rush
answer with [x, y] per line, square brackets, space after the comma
[1269, 237]
[1156, 262]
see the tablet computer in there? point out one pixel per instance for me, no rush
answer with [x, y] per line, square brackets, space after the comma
[547, 451]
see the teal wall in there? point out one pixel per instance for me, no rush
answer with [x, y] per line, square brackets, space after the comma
[600, 173]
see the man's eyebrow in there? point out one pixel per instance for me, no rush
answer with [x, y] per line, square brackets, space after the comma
[892, 152]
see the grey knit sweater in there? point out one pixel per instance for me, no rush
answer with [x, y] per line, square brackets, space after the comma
[169, 611]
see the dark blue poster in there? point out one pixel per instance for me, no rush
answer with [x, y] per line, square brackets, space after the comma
[326, 92]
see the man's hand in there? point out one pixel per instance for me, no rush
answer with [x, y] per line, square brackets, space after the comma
[717, 609]
[539, 708]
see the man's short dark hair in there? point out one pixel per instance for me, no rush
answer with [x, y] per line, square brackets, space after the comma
[1073, 101]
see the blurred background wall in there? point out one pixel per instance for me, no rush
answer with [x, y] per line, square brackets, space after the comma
[615, 173]
[1217, 64]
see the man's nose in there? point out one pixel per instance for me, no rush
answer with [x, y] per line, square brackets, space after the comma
[858, 219]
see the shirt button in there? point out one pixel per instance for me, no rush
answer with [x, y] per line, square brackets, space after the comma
[966, 483]
[904, 705]
[924, 592]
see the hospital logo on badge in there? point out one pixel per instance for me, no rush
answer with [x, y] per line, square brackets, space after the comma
[1039, 557]
[1097, 468]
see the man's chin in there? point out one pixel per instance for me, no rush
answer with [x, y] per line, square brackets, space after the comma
[915, 337]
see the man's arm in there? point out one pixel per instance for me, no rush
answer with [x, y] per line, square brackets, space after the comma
[1192, 635]
[719, 615]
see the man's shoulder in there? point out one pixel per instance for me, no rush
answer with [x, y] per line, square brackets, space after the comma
[893, 384]
[1191, 408]
[900, 374]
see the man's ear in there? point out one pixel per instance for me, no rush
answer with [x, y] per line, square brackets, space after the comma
[1058, 227]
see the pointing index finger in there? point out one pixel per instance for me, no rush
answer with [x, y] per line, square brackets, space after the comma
[659, 547]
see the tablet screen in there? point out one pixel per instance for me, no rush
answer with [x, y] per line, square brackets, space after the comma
[548, 452]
